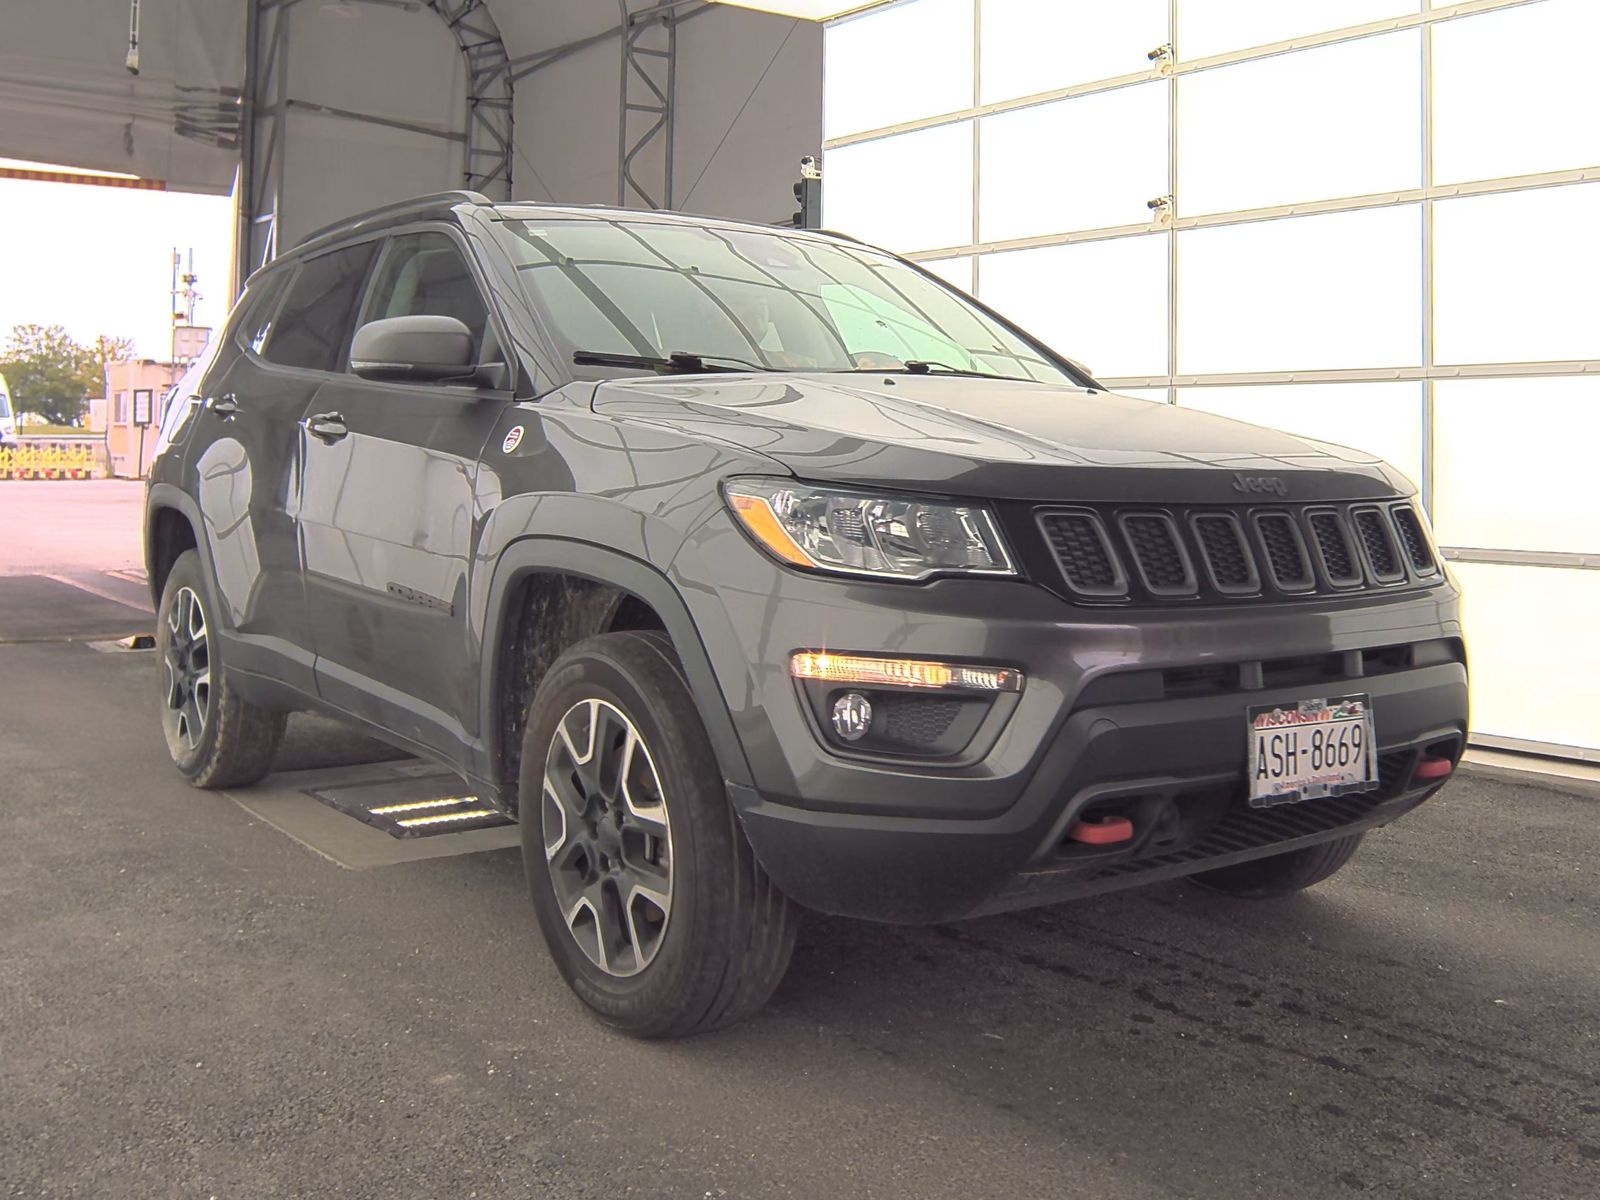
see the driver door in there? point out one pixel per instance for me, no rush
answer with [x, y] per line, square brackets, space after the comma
[389, 522]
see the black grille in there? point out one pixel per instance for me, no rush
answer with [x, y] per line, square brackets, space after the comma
[1416, 544]
[1080, 546]
[1158, 555]
[1383, 659]
[1246, 828]
[1286, 553]
[1234, 553]
[1222, 545]
[1333, 545]
[1378, 544]
[1199, 681]
[915, 721]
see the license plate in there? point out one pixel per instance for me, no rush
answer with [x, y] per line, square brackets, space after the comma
[1313, 748]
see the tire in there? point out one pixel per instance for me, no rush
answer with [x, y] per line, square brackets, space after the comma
[216, 738]
[1281, 874]
[601, 853]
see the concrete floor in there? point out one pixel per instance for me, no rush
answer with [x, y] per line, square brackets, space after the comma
[194, 1004]
[70, 525]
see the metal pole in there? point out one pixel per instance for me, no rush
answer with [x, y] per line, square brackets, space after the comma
[1172, 208]
[622, 107]
[1427, 479]
[977, 139]
[245, 185]
[670, 20]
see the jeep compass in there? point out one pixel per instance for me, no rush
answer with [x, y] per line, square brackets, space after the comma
[753, 570]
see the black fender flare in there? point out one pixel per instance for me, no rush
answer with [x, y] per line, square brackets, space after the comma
[166, 495]
[600, 564]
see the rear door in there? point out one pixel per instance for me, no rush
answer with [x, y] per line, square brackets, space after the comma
[246, 454]
[389, 519]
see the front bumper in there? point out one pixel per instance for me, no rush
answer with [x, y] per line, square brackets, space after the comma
[1186, 754]
[918, 842]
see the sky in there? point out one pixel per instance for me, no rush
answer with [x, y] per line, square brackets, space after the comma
[99, 259]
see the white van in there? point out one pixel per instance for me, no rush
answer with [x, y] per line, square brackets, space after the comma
[8, 416]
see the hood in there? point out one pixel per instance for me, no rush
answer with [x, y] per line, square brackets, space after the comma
[1000, 439]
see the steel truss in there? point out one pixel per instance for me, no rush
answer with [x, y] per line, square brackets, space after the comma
[645, 113]
[485, 131]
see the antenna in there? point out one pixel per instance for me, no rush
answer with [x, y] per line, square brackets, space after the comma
[185, 295]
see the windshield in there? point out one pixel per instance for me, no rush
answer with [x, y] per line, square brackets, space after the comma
[783, 302]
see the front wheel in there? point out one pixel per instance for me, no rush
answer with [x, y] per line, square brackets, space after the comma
[1281, 874]
[651, 901]
[217, 738]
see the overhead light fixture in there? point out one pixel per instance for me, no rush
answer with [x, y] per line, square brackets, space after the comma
[810, 10]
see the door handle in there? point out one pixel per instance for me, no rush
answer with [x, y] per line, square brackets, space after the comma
[329, 427]
[224, 406]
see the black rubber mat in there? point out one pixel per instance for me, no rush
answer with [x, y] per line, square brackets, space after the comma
[34, 608]
[411, 808]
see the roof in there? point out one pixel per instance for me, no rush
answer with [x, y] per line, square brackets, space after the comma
[440, 204]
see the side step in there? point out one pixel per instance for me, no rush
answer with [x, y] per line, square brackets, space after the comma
[412, 808]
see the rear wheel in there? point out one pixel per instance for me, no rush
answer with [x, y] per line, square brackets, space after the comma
[648, 895]
[1281, 874]
[216, 738]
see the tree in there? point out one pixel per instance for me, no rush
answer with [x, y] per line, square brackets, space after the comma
[52, 375]
[104, 351]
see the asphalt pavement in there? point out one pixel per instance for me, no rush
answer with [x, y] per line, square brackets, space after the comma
[193, 1003]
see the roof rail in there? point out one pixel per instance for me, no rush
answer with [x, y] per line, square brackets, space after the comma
[416, 204]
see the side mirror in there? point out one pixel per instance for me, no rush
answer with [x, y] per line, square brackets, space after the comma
[1080, 368]
[422, 349]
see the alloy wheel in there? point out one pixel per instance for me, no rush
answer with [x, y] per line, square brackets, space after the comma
[188, 671]
[607, 837]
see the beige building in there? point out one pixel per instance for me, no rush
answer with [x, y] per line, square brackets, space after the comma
[133, 409]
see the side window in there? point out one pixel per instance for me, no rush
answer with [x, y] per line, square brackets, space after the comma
[258, 308]
[424, 274]
[312, 328]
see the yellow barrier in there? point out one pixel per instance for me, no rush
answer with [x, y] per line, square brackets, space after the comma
[71, 460]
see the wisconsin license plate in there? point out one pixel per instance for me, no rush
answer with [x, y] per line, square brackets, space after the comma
[1314, 748]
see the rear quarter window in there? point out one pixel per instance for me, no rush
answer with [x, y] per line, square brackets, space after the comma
[256, 310]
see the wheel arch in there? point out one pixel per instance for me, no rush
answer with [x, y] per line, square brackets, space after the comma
[171, 526]
[603, 590]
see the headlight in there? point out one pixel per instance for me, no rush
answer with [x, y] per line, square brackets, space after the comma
[862, 533]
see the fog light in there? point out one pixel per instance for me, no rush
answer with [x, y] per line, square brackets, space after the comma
[852, 716]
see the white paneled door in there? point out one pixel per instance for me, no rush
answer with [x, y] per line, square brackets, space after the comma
[1370, 222]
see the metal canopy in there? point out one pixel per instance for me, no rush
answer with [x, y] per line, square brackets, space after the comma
[82, 85]
[325, 107]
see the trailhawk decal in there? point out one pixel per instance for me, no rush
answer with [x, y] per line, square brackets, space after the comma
[513, 440]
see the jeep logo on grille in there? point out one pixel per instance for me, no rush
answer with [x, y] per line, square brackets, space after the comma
[1260, 483]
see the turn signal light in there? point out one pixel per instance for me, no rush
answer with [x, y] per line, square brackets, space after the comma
[901, 672]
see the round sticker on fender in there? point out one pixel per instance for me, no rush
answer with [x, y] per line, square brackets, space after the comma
[513, 440]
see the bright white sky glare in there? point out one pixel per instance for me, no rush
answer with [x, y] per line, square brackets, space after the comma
[99, 259]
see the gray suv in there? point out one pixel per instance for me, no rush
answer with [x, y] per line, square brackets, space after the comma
[755, 569]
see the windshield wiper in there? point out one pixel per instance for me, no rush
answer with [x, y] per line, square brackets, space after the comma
[925, 366]
[679, 362]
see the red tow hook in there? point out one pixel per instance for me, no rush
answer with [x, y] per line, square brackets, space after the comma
[1431, 767]
[1101, 831]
